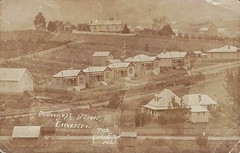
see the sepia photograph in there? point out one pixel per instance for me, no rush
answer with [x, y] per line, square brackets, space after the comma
[119, 76]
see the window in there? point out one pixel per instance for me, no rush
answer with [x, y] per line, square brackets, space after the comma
[198, 113]
[107, 27]
[203, 113]
[130, 70]
[107, 74]
[211, 55]
[95, 28]
[81, 81]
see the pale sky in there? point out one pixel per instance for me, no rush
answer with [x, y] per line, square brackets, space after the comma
[19, 14]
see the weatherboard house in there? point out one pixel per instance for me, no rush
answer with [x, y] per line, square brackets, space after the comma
[226, 52]
[122, 70]
[201, 107]
[160, 103]
[173, 59]
[69, 80]
[145, 65]
[15, 80]
[106, 26]
[100, 58]
[96, 75]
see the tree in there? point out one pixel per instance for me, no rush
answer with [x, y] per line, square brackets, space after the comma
[39, 22]
[52, 26]
[83, 27]
[233, 88]
[116, 99]
[146, 48]
[166, 31]
[125, 29]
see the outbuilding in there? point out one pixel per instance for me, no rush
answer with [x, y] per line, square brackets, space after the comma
[100, 58]
[15, 80]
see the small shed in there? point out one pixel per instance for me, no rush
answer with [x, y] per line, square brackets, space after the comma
[26, 136]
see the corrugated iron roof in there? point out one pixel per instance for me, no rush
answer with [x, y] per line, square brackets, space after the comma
[101, 53]
[119, 65]
[162, 100]
[95, 69]
[12, 74]
[197, 52]
[26, 131]
[106, 22]
[141, 58]
[67, 73]
[198, 99]
[224, 49]
[172, 54]
[115, 61]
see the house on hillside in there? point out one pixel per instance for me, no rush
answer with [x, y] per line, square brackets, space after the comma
[96, 75]
[26, 136]
[201, 107]
[106, 26]
[226, 52]
[68, 27]
[145, 65]
[160, 103]
[100, 58]
[122, 70]
[174, 59]
[15, 80]
[69, 80]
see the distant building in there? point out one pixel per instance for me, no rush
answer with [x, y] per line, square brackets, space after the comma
[226, 52]
[106, 26]
[69, 80]
[122, 70]
[96, 75]
[26, 136]
[174, 59]
[100, 58]
[160, 103]
[68, 27]
[201, 106]
[15, 80]
[145, 65]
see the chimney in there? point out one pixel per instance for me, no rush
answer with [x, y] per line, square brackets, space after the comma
[199, 98]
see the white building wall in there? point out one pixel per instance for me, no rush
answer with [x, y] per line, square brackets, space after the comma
[25, 83]
[199, 117]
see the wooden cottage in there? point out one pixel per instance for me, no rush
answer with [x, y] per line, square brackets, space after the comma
[69, 80]
[122, 70]
[145, 65]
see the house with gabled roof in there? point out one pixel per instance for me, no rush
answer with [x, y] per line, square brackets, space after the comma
[96, 75]
[161, 102]
[100, 58]
[69, 80]
[15, 80]
[120, 70]
[201, 107]
[173, 59]
[145, 65]
[225, 52]
[106, 26]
